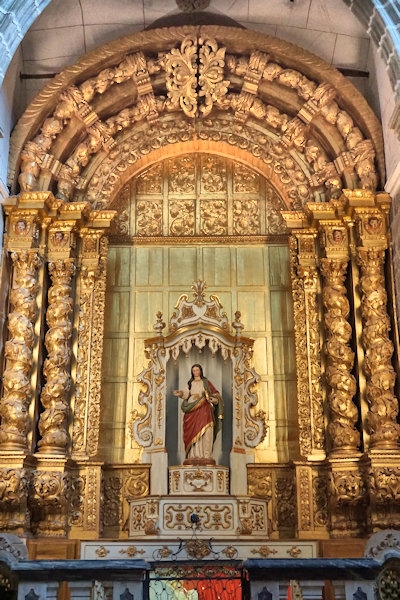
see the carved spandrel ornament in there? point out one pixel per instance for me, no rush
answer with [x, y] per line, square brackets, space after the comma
[198, 323]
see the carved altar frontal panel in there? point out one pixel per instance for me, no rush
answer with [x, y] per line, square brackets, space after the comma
[218, 516]
[205, 480]
[165, 550]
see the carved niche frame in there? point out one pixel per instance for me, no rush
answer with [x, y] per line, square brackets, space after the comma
[199, 323]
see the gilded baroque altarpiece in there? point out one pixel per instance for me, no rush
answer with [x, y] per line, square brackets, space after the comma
[177, 156]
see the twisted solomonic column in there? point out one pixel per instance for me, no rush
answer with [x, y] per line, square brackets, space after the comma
[343, 413]
[54, 398]
[380, 376]
[18, 352]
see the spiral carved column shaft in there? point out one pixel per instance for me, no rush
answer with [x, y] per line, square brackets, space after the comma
[54, 397]
[18, 352]
[383, 406]
[343, 413]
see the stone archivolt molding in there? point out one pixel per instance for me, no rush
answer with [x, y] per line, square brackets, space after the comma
[191, 74]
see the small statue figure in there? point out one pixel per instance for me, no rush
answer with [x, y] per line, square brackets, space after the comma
[203, 411]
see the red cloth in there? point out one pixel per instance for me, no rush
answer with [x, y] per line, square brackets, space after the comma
[196, 422]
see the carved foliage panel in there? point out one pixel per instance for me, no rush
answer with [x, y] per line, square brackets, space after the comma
[201, 194]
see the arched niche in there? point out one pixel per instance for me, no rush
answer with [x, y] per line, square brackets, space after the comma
[198, 326]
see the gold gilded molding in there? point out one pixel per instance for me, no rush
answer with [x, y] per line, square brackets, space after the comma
[343, 413]
[305, 288]
[290, 174]
[251, 80]
[18, 352]
[96, 350]
[53, 426]
[91, 294]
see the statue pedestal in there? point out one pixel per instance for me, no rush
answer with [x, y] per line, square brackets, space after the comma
[198, 479]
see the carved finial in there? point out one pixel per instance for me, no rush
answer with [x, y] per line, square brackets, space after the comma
[159, 326]
[199, 292]
[237, 325]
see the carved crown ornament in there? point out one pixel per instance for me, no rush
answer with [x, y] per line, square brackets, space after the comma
[195, 75]
[65, 142]
[198, 323]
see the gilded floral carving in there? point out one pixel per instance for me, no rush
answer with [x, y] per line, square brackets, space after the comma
[14, 484]
[384, 489]
[48, 501]
[96, 349]
[347, 501]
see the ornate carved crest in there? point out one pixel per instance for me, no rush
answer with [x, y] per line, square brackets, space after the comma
[195, 76]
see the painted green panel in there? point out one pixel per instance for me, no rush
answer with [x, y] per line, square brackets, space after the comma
[147, 304]
[253, 309]
[281, 311]
[113, 402]
[284, 358]
[279, 267]
[118, 267]
[260, 356]
[148, 266]
[217, 269]
[115, 357]
[182, 268]
[250, 266]
[116, 317]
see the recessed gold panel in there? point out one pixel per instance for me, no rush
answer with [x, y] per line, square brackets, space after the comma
[148, 266]
[117, 312]
[250, 266]
[118, 263]
[217, 266]
[281, 310]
